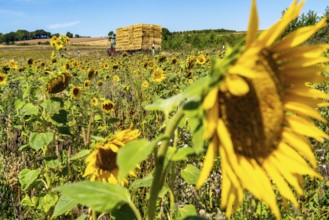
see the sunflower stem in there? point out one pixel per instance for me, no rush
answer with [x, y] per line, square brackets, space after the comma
[159, 173]
[135, 210]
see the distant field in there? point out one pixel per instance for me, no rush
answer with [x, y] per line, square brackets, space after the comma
[90, 41]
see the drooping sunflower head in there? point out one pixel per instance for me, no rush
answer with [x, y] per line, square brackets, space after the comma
[59, 83]
[91, 72]
[76, 92]
[3, 79]
[158, 75]
[30, 61]
[190, 61]
[257, 117]
[108, 106]
[100, 83]
[101, 163]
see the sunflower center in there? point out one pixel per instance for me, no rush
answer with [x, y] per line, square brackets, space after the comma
[255, 119]
[106, 160]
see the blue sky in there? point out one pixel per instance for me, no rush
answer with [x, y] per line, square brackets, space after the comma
[97, 17]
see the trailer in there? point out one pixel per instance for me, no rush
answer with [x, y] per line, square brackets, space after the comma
[138, 37]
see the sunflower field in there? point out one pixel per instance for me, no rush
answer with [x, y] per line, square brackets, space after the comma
[239, 133]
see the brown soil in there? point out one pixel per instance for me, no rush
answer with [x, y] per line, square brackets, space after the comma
[90, 41]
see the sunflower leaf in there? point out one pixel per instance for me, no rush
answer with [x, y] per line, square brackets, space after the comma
[131, 155]
[190, 174]
[103, 197]
[39, 140]
[64, 204]
[27, 177]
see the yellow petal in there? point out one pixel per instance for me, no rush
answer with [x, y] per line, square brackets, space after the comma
[306, 127]
[236, 85]
[303, 109]
[300, 144]
[298, 36]
[282, 168]
[279, 181]
[211, 122]
[307, 92]
[208, 162]
[210, 99]
[304, 62]
[253, 24]
[269, 36]
[305, 51]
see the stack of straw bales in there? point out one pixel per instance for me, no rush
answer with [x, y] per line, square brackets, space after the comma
[138, 37]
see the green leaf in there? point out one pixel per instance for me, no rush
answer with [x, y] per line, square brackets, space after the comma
[60, 117]
[23, 147]
[47, 201]
[64, 204]
[39, 140]
[18, 104]
[182, 153]
[52, 163]
[29, 109]
[51, 106]
[100, 196]
[64, 130]
[190, 174]
[165, 105]
[145, 182]
[27, 177]
[80, 154]
[26, 201]
[186, 211]
[133, 153]
[197, 130]
[82, 217]
[124, 212]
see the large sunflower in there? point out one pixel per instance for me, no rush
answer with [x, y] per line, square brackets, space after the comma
[101, 163]
[258, 117]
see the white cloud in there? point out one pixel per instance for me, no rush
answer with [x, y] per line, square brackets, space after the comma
[63, 25]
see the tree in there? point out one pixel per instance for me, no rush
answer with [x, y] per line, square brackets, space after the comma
[110, 34]
[69, 34]
[9, 38]
[23, 35]
[165, 33]
[76, 35]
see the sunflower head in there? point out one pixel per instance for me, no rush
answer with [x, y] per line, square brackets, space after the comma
[158, 75]
[86, 84]
[94, 101]
[116, 78]
[101, 163]
[59, 83]
[91, 73]
[258, 114]
[108, 106]
[76, 92]
[100, 83]
[30, 61]
[3, 79]
[201, 59]
[145, 84]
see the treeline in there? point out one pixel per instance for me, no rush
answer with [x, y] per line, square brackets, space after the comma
[12, 37]
[205, 39]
